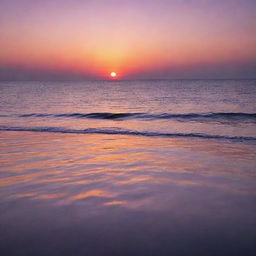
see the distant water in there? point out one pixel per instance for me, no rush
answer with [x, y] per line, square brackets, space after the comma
[163, 167]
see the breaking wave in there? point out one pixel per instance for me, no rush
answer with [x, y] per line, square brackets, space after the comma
[200, 117]
[119, 131]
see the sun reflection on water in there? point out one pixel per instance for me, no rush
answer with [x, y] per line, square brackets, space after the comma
[130, 172]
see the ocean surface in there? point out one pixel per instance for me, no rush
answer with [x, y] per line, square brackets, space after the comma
[154, 168]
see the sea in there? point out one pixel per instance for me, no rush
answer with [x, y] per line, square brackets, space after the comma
[127, 168]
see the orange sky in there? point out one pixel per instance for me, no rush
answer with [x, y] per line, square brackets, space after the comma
[142, 38]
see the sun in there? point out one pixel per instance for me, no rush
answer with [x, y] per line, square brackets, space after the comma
[113, 74]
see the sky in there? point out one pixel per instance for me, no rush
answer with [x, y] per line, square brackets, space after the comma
[137, 39]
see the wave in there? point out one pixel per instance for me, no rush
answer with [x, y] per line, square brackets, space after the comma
[199, 117]
[119, 131]
[103, 115]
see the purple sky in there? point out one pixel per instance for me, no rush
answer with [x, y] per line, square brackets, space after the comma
[65, 39]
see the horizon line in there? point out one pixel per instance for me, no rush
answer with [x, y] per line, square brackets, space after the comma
[120, 80]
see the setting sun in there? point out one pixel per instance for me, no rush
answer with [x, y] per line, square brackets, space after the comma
[113, 74]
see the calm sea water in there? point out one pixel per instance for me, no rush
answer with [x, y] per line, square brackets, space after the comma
[128, 168]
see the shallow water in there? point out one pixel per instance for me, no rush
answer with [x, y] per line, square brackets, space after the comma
[128, 168]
